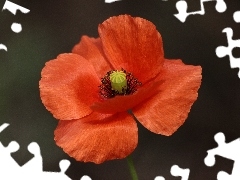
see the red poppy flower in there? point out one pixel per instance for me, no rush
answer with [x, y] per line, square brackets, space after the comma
[100, 89]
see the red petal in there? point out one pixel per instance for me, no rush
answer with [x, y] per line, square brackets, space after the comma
[124, 103]
[165, 112]
[133, 44]
[69, 86]
[112, 138]
[95, 116]
[91, 49]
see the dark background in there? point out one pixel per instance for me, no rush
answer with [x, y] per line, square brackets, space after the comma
[55, 26]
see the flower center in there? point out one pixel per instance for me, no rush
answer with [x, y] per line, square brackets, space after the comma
[118, 83]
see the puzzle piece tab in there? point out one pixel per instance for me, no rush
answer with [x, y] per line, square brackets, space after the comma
[236, 16]
[177, 171]
[3, 47]
[229, 151]
[159, 178]
[182, 9]
[111, 1]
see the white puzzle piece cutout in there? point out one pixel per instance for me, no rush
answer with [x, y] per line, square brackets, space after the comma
[33, 169]
[222, 51]
[229, 151]
[3, 47]
[15, 27]
[12, 7]
[182, 9]
[177, 172]
[236, 16]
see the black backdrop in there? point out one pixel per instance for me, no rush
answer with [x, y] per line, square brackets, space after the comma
[53, 27]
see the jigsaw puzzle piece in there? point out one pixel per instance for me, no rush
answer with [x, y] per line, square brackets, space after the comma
[177, 171]
[36, 172]
[182, 6]
[223, 176]
[12, 7]
[33, 169]
[210, 158]
[35, 164]
[6, 159]
[227, 150]
[7, 163]
[64, 165]
[222, 51]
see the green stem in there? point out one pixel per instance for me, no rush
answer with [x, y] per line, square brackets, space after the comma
[132, 168]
